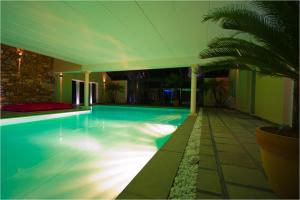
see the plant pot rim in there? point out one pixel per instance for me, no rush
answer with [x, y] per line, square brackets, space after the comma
[285, 146]
[261, 129]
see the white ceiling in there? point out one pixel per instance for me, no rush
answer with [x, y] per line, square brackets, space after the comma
[111, 36]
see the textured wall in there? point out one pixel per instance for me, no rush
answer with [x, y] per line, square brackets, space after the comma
[34, 83]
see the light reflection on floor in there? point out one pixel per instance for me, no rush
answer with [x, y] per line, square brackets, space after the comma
[90, 159]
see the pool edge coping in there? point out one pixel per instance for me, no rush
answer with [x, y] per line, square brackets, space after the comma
[171, 147]
[39, 117]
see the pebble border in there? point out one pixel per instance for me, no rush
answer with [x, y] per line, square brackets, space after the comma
[185, 182]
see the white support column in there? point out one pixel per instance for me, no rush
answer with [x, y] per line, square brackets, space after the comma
[86, 88]
[193, 89]
[77, 93]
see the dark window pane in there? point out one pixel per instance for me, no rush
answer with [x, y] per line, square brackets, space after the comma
[81, 97]
[73, 92]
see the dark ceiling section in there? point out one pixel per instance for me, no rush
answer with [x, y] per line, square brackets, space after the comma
[217, 74]
[160, 74]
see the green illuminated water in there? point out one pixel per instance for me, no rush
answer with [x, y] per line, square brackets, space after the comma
[92, 155]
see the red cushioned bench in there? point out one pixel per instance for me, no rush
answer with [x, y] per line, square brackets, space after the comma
[31, 107]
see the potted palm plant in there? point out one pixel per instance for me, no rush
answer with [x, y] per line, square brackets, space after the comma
[274, 50]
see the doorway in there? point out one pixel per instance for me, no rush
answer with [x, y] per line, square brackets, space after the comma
[78, 92]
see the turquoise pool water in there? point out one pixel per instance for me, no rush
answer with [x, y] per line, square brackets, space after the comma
[92, 155]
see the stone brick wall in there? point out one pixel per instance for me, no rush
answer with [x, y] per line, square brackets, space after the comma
[34, 82]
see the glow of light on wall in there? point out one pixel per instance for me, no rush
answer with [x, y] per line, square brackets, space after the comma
[104, 80]
[20, 53]
[77, 93]
[77, 99]
[60, 86]
[91, 94]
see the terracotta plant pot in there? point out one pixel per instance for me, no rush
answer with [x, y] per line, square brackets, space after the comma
[280, 157]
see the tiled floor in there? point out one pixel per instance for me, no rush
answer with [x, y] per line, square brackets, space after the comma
[230, 165]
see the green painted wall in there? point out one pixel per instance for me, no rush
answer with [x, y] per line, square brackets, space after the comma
[269, 98]
[272, 98]
[243, 90]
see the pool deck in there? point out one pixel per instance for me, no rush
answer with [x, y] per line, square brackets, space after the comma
[229, 160]
[155, 180]
[230, 164]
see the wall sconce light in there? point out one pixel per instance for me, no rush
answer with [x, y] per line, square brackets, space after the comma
[20, 52]
[61, 75]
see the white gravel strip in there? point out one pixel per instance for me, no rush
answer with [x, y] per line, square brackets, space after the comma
[185, 183]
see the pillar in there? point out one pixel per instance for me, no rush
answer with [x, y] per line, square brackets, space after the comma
[86, 88]
[193, 89]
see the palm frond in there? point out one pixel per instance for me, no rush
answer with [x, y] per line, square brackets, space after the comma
[265, 66]
[229, 46]
[266, 31]
[286, 13]
[283, 12]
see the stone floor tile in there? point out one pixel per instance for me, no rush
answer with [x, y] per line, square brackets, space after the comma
[226, 140]
[248, 141]
[230, 148]
[207, 195]
[206, 149]
[256, 155]
[207, 161]
[223, 135]
[208, 180]
[205, 136]
[216, 124]
[238, 159]
[205, 141]
[251, 146]
[219, 129]
[240, 192]
[244, 176]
